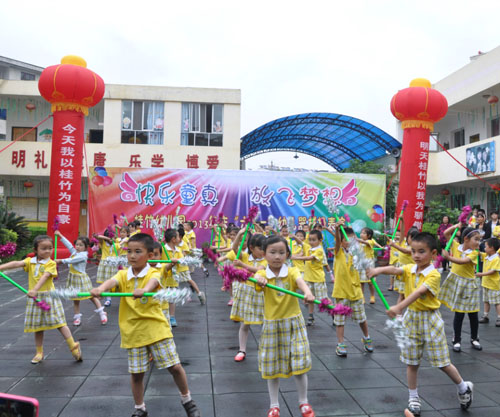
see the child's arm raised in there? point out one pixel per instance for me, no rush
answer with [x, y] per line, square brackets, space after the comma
[66, 242]
[337, 234]
[448, 232]
[400, 248]
[12, 265]
[237, 241]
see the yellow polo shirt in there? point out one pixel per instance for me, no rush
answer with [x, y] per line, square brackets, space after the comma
[369, 252]
[404, 258]
[314, 271]
[36, 268]
[176, 253]
[491, 263]
[430, 278]
[141, 320]
[243, 256]
[393, 255]
[106, 249]
[347, 283]
[298, 249]
[464, 270]
[184, 248]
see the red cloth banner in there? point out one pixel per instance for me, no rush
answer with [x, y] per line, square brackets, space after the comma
[66, 172]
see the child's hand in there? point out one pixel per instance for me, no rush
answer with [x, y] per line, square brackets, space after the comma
[237, 262]
[58, 261]
[341, 222]
[371, 272]
[262, 281]
[138, 293]
[175, 261]
[309, 298]
[32, 293]
[445, 254]
[393, 312]
[57, 232]
[95, 292]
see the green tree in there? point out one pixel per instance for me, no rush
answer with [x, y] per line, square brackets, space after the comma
[371, 167]
[15, 223]
[438, 208]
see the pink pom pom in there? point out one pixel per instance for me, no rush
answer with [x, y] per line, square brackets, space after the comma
[342, 310]
[43, 305]
[111, 233]
[438, 261]
[405, 204]
[252, 214]
[347, 218]
[230, 274]
[323, 307]
[326, 306]
[115, 219]
[221, 218]
[465, 213]
[210, 254]
[55, 226]
[312, 213]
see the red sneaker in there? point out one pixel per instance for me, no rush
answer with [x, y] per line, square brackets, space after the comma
[307, 410]
[230, 302]
[240, 356]
[274, 412]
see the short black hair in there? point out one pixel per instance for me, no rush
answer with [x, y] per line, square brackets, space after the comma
[191, 224]
[493, 212]
[126, 229]
[284, 227]
[145, 239]
[157, 245]
[39, 239]
[85, 240]
[368, 231]
[316, 233]
[135, 223]
[494, 243]
[276, 239]
[181, 231]
[257, 240]
[348, 231]
[301, 232]
[412, 232]
[426, 238]
[170, 234]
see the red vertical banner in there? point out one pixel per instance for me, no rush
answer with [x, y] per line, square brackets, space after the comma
[66, 172]
[413, 178]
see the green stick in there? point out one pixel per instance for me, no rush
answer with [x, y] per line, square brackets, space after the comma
[165, 250]
[397, 225]
[341, 227]
[211, 237]
[115, 294]
[114, 248]
[159, 261]
[24, 290]
[242, 242]
[379, 292]
[218, 241]
[55, 247]
[448, 245]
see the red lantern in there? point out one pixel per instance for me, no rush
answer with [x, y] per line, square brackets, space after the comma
[30, 107]
[445, 191]
[28, 184]
[492, 100]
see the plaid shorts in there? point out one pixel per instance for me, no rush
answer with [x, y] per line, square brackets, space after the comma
[358, 314]
[460, 294]
[491, 296]
[37, 320]
[79, 282]
[248, 305]
[284, 348]
[426, 333]
[318, 289]
[163, 352]
[105, 272]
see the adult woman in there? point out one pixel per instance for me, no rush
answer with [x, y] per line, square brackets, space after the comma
[445, 224]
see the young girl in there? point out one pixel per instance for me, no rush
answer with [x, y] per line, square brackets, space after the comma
[283, 346]
[122, 241]
[104, 270]
[166, 273]
[183, 270]
[297, 250]
[170, 278]
[404, 255]
[366, 238]
[491, 279]
[41, 271]
[78, 278]
[134, 227]
[248, 304]
[460, 289]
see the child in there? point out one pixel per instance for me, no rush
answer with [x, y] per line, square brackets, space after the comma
[297, 250]
[347, 290]
[78, 278]
[190, 237]
[134, 227]
[143, 328]
[491, 279]
[314, 274]
[41, 271]
[423, 320]
[230, 236]
[105, 271]
[319, 227]
[183, 270]
[248, 304]
[394, 260]
[404, 255]
[366, 238]
[219, 238]
[460, 289]
[283, 346]
[122, 241]
[165, 270]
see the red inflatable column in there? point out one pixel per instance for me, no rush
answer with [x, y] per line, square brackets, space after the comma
[418, 107]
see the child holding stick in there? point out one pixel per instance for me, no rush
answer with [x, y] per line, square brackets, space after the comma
[394, 260]
[460, 289]
[347, 290]
[366, 239]
[491, 279]
[404, 255]
[283, 346]
[41, 271]
[78, 278]
[143, 327]
[297, 249]
[183, 270]
[423, 320]
[165, 270]
[105, 271]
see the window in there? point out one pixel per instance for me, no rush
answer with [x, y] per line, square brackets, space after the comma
[459, 138]
[457, 201]
[142, 122]
[493, 201]
[202, 124]
[26, 76]
[3, 124]
[96, 136]
[474, 138]
[17, 132]
[495, 127]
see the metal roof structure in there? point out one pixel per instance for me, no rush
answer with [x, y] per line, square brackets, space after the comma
[334, 138]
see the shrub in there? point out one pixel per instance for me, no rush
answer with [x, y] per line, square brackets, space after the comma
[15, 223]
[7, 235]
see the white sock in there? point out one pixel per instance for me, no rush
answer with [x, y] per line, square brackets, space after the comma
[273, 386]
[77, 316]
[413, 393]
[99, 310]
[462, 387]
[485, 314]
[366, 337]
[141, 407]
[243, 336]
[301, 383]
[185, 398]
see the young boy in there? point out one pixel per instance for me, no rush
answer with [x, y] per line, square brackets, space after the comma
[314, 274]
[143, 327]
[423, 319]
[491, 280]
[347, 290]
[165, 270]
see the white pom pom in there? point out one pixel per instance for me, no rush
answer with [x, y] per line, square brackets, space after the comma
[173, 295]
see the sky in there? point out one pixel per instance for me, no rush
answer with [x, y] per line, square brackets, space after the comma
[286, 57]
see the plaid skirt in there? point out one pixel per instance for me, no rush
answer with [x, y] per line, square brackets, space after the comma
[105, 272]
[79, 282]
[248, 305]
[460, 294]
[426, 334]
[284, 348]
[184, 276]
[318, 289]
[491, 296]
[37, 320]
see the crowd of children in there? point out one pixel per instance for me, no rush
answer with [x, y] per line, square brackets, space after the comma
[293, 260]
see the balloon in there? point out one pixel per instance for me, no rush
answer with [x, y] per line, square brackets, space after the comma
[97, 180]
[101, 171]
[106, 180]
[374, 217]
[378, 209]
[358, 225]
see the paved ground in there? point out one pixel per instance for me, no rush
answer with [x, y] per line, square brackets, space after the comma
[359, 385]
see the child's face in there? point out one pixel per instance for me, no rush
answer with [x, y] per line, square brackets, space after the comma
[284, 232]
[421, 253]
[178, 239]
[300, 235]
[187, 227]
[398, 236]
[489, 250]
[80, 246]
[363, 235]
[232, 235]
[305, 228]
[123, 233]
[345, 242]
[44, 249]
[138, 255]
[473, 241]
[267, 228]
[313, 240]
[257, 252]
[132, 228]
[156, 254]
[276, 255]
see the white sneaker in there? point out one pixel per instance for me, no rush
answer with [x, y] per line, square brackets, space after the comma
[465, 399]
[476, 345]
[104, 317]
[202, 297]
[456, 347]
[77, 319]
